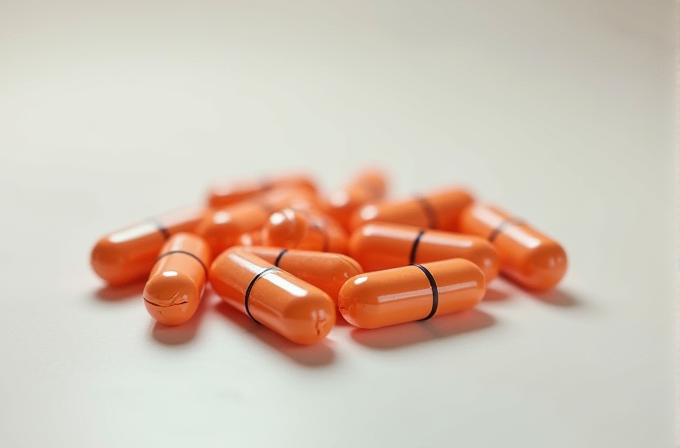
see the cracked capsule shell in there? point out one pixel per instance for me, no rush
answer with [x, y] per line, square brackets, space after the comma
[128, 254]
[224, 193]
[223, 227]
[393, 296]
[438, 210]
[176, 284]
[304, 230]
[325, 270]
[275, 298]
[379, 246]
[526, 256]
[369, 185]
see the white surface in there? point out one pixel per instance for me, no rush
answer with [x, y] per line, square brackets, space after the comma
[559, 111]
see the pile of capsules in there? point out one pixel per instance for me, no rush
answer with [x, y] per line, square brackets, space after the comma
[290, 258]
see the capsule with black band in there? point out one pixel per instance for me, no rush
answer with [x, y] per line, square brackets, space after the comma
[526, 255]
[175, 287]
[437, 210]
[326, 270]
[410, 293]
[379, 246]
[272, 297]
[304, 229]
[128, 254]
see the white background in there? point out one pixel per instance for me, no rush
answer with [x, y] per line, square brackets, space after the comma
[562, 112]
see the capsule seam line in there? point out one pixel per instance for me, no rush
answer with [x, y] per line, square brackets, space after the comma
[185, 253]
[429, 211]
[279, 257]
[246, 298]
[502, 226]
[161, 228]
[435, 290]
[414, 248]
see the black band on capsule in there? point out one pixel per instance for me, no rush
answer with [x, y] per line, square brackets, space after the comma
[435, 291]
[279, 257]
[185, 253]
[429, 211]
[161, 228]
[246, 298]
[502, 226]
[414, 248]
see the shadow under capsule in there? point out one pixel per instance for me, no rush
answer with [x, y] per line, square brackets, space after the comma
[315, 355]
[557, 297]
[440, 327]
[119, 293]
[186, 332]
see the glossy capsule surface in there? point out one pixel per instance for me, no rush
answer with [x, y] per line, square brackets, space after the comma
[409, 293]
[175, 287]
[127, 255]
[379, 246]
[369, 185]
[224, 193]
[438, 210]
[305, 230]
[275, 298]
[325, 270]
[526, 256]
[223, 227]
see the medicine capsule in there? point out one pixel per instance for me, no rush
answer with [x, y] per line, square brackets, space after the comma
[224, 193]
[325, 270]
[526, 256]
[275, 298]
[369, 185]
[379, 246]
[304, 230]
[409, 293]
[128, 254]
[174, 289]
[439, 210]
[223, 227]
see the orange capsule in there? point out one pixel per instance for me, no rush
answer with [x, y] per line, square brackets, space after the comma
[222, 228]
[526, 256]
[409, 293]
[439, 210]
[174, 289]
[369, 185]
[379, 246]
[325, 270]
[128, 254]
[224, 193]
[275, 298]
[253, 238]
[305, 230]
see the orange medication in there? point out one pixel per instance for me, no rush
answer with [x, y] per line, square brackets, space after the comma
[526, 256]
[176, 283]
[369, 185]
[327, 271]
[439, 210]
[222, 228]
[275, 298]
[409, 293]
[224, 193]
[379, 246]
[128, 254]
[306, 230]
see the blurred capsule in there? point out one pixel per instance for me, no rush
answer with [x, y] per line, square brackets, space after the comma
[526, 256]
[128, 254]
[304, 230]
[369, 185]
[439, 210]
[224, 193]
